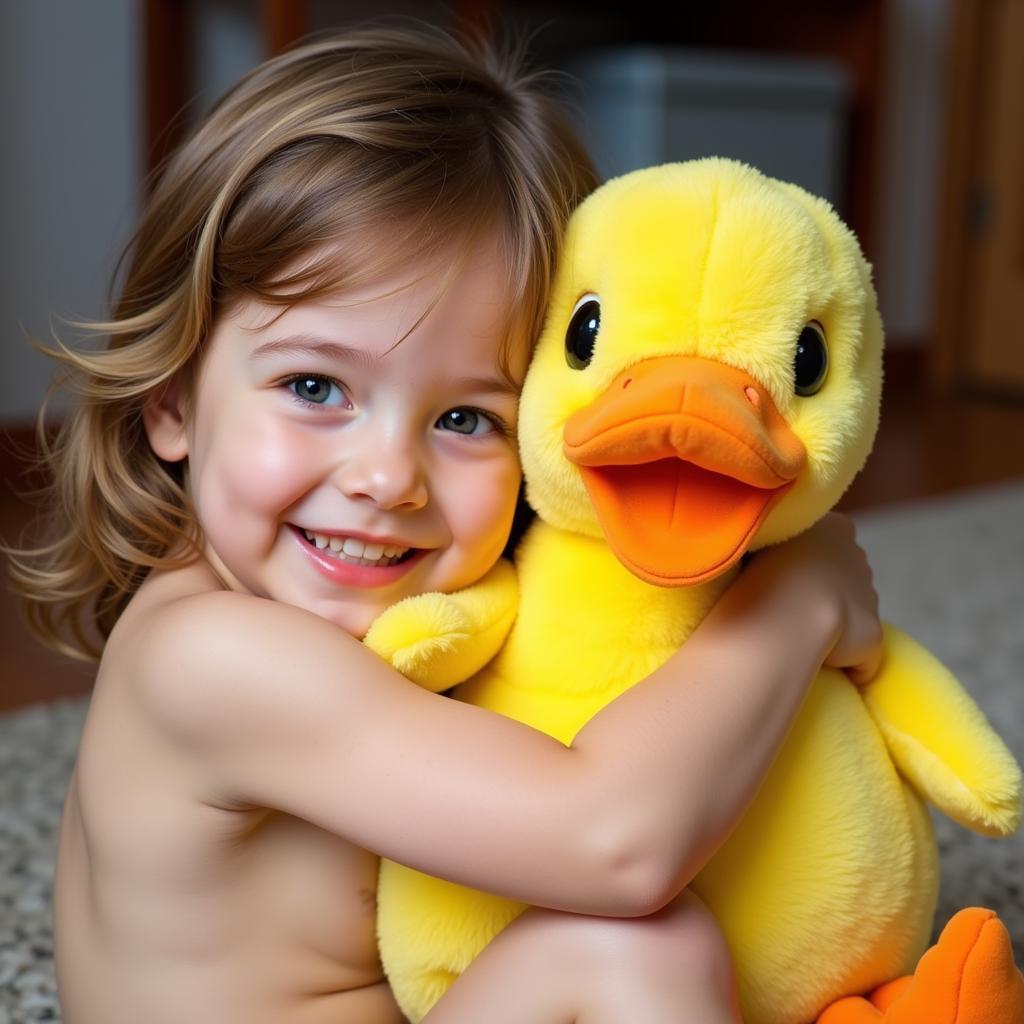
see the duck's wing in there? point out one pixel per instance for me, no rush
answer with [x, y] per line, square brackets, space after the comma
[940, 739]
[438, 640]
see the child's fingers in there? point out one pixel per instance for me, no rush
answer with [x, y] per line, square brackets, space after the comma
[862, 674]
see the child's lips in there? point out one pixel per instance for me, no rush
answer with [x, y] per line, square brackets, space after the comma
[349, 574]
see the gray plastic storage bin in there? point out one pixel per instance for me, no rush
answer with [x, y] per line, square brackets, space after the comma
[642, 105]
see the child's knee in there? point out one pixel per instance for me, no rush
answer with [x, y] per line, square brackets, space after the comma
[686, 936]
[681, 944]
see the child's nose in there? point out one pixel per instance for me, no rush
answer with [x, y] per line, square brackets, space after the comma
[387, 477]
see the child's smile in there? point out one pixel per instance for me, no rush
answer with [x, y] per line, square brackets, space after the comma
[335, 470]
[359, 562]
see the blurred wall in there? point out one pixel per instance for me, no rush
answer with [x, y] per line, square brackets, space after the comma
[70, 166]
[71, 156]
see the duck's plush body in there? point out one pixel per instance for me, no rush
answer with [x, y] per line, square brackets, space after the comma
[677, 414]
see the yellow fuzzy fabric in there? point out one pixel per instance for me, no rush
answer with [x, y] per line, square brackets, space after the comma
[828, 884]
[438, 640]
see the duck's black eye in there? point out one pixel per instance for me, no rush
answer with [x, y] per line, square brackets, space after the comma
[581, 336]
[811, 362]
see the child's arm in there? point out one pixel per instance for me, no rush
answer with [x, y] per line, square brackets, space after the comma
[278, 708]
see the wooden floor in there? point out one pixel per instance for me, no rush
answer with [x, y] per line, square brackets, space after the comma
[927, 445]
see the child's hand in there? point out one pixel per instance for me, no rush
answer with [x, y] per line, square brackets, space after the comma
[828, 557]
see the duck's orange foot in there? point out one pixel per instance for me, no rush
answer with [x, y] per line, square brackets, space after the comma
[967, 977]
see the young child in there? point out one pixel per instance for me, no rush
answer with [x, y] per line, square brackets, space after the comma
[306, 411]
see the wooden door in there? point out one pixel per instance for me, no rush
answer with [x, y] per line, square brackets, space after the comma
[981, 302]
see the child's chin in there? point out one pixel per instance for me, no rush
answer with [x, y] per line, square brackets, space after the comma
[353, 619]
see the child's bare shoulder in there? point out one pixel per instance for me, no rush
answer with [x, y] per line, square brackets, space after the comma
[203, 660]
[209, 629]
[186, 619]
[261, 697]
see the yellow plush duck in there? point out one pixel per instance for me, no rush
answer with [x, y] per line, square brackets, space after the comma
[708, 383]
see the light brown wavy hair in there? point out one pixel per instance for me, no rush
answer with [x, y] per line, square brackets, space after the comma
[280, 195]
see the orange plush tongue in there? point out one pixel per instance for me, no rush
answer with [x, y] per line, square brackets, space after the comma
[683, 459]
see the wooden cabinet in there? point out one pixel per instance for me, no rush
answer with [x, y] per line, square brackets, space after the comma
[847, 31]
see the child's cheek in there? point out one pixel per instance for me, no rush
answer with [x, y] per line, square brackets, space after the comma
[482, 524]
[279, 462]
[497, 504]
[261, 469]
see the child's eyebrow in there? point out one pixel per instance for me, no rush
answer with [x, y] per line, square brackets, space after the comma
[311, 344]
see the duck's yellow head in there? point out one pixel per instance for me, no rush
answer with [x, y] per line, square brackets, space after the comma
[708, 378]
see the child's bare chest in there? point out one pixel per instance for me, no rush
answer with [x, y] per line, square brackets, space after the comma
[250, 915]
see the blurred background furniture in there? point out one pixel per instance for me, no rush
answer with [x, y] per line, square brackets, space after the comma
[979, 327]
[847, 34]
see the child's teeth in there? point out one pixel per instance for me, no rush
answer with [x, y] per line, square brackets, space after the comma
[355, 549]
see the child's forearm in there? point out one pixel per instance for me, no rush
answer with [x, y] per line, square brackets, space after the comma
[615, 824]
[745, 676]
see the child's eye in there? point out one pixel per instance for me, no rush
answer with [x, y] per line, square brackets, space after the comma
[311, 389]
[471, 421]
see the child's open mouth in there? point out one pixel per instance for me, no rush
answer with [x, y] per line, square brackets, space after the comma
[351, 562]
[354, 551]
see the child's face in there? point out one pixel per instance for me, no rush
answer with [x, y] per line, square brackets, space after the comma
[320, 425]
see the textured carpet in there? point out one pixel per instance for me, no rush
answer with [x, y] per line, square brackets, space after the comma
[949, 571]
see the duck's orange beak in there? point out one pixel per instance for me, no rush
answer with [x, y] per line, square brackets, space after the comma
[683, 459]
